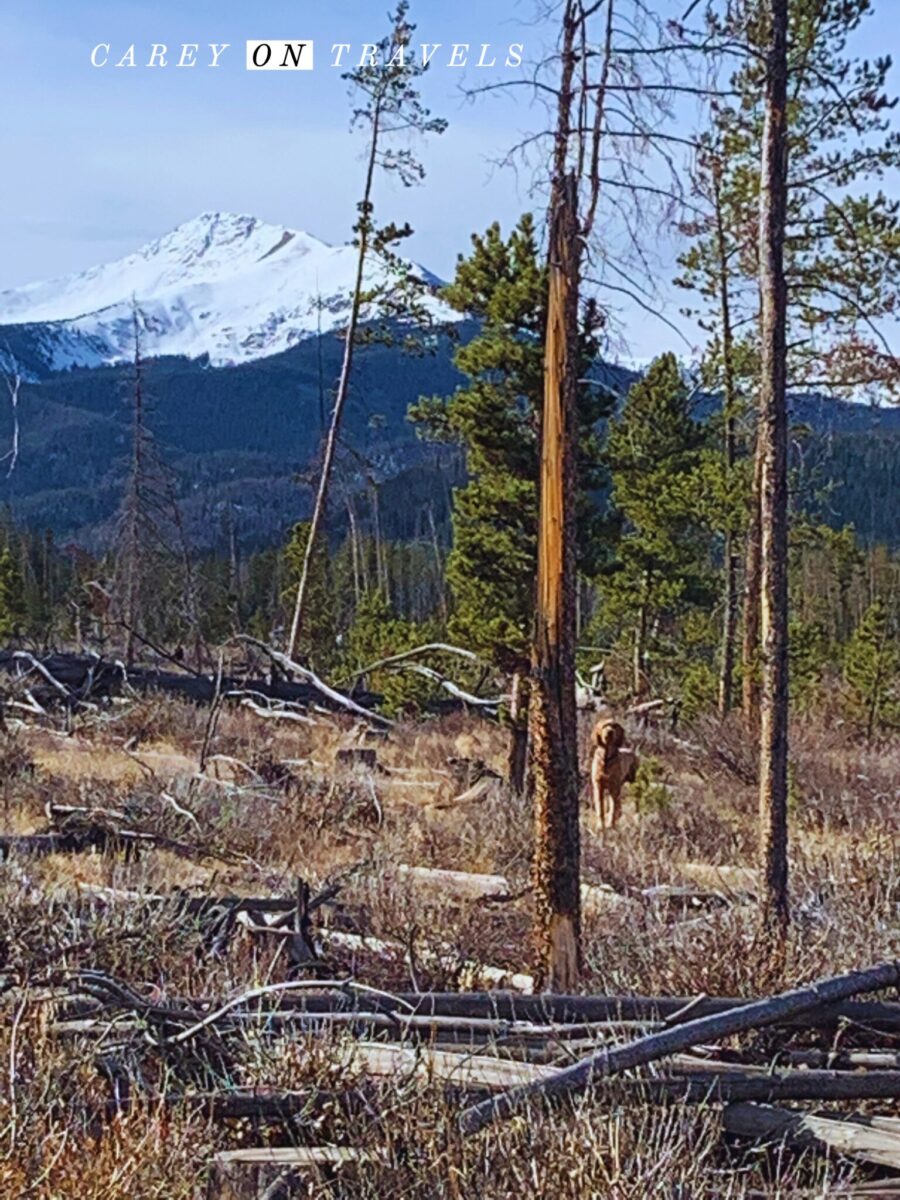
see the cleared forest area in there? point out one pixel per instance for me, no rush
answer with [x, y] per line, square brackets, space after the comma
[237, 982]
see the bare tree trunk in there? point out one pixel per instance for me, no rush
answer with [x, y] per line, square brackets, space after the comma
[637, 672]
[439, 566]
[234, 572]
[381, 579]
[517, 763]
[752, 589]
[773, 759]
[729, 626]
[354, 547]
[729, 589]
[341, 396]
[131, 547]
[553, 716]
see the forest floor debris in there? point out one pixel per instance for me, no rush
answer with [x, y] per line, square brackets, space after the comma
[265, 975]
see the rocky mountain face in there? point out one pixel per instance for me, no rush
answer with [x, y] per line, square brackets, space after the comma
[225, 287]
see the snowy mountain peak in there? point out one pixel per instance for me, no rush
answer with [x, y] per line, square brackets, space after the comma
[225, 285]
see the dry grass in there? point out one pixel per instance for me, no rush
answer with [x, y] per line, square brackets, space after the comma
[281, 809]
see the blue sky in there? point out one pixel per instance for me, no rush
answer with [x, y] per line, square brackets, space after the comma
[96, 162]
[108, 158]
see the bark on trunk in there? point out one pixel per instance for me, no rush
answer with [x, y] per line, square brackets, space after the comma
[638, 671]
[340, 399]
[552, 706]
[752, 590]
[517, 766]
[729, 627]
[132, 546]
[729, 597]
[772, 435]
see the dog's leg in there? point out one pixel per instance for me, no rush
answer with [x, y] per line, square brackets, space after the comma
[616, 808]
[599, 802]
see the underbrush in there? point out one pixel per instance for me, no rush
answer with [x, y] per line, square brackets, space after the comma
[274, 806]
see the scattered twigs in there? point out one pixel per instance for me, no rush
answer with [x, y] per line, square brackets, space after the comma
[34, 664]
[308, 676]
[416, 652]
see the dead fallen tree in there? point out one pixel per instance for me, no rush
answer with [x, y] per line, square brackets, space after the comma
[493, 1051]
[609, 1062]
[72, 680]
[76, 681]
[872, 1139]
[75, 830]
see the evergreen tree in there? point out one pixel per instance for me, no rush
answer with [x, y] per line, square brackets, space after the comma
[655, 453]
[496, 418]
[842, 243]
[377, 632]
[12, 598]
[872, 670]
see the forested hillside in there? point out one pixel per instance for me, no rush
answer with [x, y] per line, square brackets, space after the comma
[242, 444]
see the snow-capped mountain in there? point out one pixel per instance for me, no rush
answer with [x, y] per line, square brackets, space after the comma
[232, 287]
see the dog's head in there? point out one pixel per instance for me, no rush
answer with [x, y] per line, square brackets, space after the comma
[609, 735]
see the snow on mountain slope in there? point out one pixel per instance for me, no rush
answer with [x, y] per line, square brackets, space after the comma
[228, 286]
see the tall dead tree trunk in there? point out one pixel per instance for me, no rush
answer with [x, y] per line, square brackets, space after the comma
[340, 399]
[730, 572]
[354, 547]
[752, 589]
[131, 548]
[517, 759]
[773, 758]
[552, 704]
[553, 715]
[639, 655]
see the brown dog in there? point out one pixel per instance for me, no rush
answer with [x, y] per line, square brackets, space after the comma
[613, 764]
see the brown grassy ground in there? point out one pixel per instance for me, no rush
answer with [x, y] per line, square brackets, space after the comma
[264, 824]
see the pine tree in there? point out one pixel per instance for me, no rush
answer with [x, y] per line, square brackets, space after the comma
[378, 632]
[12, 600]
[496, 417]
[390, 110]
[872, 670]
[842, 243]
[655, 453]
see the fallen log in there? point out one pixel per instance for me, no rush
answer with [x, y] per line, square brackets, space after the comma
[294, 1156]
[192, 905]
[548, 1007]
[484, 1073]
[467, 1072]
[427, 648]
[273, 1172]
[871, 1139]
[608, 1062]
[723, 1085]
[40, 844]
[469, 971]
[843, 1060]
[487, 786]
[460, 885]
[335, 699]
[72, 678]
